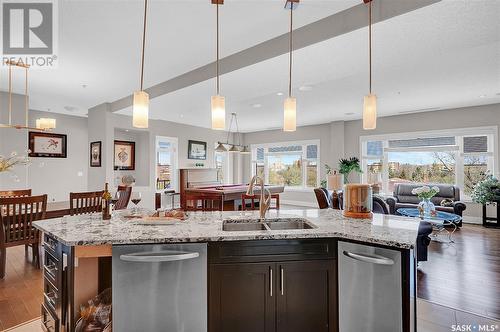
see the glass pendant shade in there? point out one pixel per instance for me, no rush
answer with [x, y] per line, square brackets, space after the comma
[45, 123]
[220, 148]
[290, 114]
[370, 112]
[245, 150]
[234, 149]
[218, 112]
[140, 115]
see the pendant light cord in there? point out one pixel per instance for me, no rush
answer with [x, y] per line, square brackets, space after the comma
[370, 41]
[144, 42]
[217, 51]
[291, 47]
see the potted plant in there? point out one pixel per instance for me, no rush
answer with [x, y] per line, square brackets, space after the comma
[487, 192]
[347, 166]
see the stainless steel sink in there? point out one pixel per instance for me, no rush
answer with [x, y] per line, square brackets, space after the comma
[243, 226]
[234, 225]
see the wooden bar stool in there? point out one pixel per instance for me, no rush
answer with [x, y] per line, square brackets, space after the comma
[254, 200]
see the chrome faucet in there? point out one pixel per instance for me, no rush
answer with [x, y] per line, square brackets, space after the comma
[265, 195]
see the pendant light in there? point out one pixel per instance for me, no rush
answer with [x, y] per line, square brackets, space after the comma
[220, 148]
[218, 102]
[140, 109]
[42, 123]
[370, 101]
[290, 104]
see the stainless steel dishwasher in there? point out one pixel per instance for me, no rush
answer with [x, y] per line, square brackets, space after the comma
[160, 288]
[370, 289]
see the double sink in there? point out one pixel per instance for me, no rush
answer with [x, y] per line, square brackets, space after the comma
[238, 225]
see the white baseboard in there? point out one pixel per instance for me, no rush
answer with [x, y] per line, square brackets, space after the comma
[472, 220]
[299, 203]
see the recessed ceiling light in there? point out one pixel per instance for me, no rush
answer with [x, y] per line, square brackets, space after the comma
[349, 113]
[84, 86]
[256, 105]
[306, 88]
[70, 108]
[181, 115]
[280, 94]
[126, 130]
[482, 96]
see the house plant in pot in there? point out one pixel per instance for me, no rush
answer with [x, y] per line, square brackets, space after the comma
[347, 166]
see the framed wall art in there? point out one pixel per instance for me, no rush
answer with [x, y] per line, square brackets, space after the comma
[95, 154]
[197, 150]
[47, 145]
[124, 153]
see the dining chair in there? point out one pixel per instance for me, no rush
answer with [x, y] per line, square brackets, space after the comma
[205, 202]
[17, 215]
[321, 198]
[254, 202]
[15, 193]
[125, 192]
[85, 202]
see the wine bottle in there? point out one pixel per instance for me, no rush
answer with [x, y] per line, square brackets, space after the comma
[106, 202]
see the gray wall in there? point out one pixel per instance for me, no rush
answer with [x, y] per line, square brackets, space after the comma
[53, 176]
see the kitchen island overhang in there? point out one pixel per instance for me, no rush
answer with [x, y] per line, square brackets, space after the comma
[86, 244]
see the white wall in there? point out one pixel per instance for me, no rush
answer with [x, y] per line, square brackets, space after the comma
[53, 176]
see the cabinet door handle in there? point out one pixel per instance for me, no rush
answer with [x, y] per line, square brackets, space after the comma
[282, 284]
[270, 281]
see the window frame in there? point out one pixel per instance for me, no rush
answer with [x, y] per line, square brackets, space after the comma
[304, 160]
[459, 133]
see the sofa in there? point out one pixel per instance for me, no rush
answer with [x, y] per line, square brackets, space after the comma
[403, 198]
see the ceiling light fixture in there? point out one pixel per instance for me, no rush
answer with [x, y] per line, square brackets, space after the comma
[140, 109]
[290, 104]
[235, 146]
[256, 105]
[305, 88]
[218, 102]
[370, 101]
[279, 94]
[41, 124]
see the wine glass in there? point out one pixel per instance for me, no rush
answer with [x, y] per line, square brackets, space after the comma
[136, 198]
[114, 199]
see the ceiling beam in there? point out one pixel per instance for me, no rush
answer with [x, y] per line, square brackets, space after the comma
[329, 27]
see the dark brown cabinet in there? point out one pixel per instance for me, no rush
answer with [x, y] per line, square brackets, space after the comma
[242, 297]
[306, 296]
[272, 286]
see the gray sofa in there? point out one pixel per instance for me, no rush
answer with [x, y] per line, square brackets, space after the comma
[403, 198]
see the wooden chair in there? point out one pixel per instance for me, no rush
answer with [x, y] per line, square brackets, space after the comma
[204, 202]
[254, 200]
[125, 192]
[15, 193]
[85, 202]
[16, 217]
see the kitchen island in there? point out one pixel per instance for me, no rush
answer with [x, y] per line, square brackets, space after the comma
[330, 277]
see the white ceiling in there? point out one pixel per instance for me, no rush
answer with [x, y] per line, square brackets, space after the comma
[444, 55]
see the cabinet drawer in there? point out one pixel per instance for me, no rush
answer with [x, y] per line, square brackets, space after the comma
[50, 245]
[51, 268]
[50, 323]
[50, 294]
[271, 250]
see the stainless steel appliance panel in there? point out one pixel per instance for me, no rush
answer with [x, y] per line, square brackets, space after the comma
[160, 288]
[370, 289]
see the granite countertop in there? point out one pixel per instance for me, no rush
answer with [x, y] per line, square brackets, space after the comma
[394, 231]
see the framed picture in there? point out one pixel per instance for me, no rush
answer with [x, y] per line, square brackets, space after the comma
[48, 145]
[197, 150]
[124, 155]
[95, 154]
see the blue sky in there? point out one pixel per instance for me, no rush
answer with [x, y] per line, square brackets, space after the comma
[414, 158]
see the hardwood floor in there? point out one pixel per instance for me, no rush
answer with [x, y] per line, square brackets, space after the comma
[20, 291]
[464, 275]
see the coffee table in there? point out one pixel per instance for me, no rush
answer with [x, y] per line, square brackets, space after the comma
[438, 222]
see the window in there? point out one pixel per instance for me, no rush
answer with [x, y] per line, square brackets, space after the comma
[290, 164]
[462, 157]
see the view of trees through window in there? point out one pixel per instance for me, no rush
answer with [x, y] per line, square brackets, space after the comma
[458, 160]
[290, 165]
